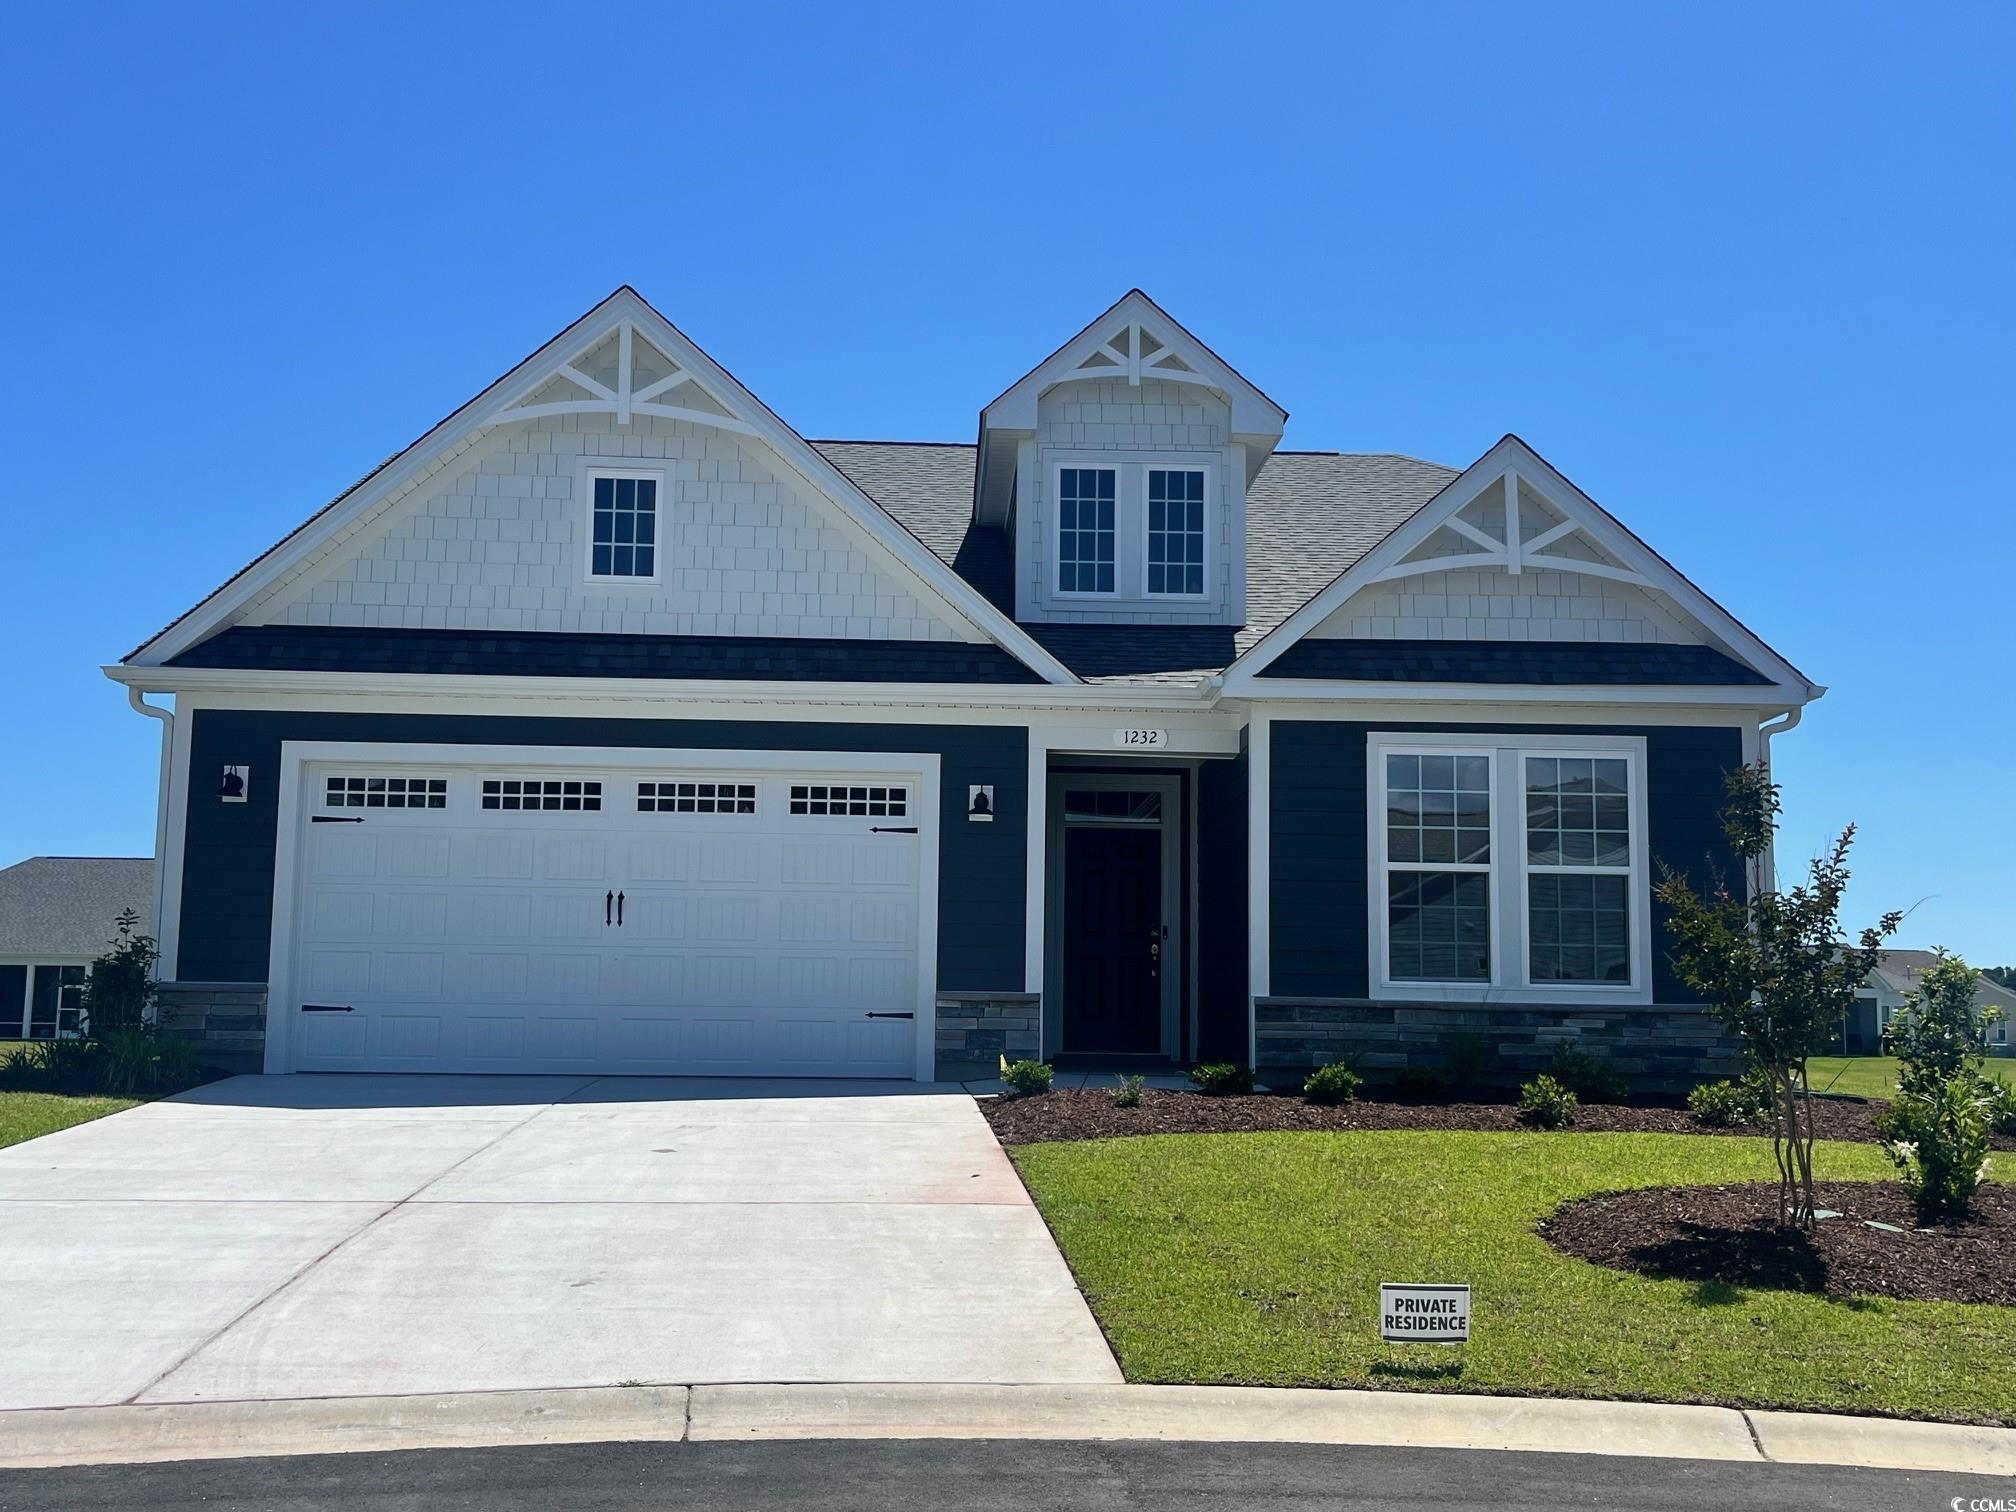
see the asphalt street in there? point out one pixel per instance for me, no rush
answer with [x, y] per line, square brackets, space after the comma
[884, 1476]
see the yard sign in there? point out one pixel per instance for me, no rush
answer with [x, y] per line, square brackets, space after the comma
[1424, 1314]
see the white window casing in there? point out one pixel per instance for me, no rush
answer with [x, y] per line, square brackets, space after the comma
[647, 516]
[1508, 867]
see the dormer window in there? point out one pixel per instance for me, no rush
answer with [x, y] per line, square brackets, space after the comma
[1176, 530]
[1086, 534]
[622, 526]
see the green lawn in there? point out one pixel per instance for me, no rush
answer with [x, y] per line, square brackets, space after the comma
[24, 1115]
[1257, 1258]
[1876, 1075]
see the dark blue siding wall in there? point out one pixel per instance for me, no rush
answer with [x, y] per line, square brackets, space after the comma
[1319, 933]
[1221, 910]
[227, 874]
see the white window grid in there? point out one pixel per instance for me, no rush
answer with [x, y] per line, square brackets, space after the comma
[348, 791]
[623, 542]
[849, 800]
[1176, 531]
[1422, 849]
[545, 794]
[1511, 979]
[696, 797]
[1576, 786]
[1087, 530]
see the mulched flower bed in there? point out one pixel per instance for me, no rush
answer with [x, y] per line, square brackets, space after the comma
[1093, 1114]
[1729, 1235]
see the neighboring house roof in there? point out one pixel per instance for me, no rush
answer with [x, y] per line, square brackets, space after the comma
[1309, 516]
[58, 906]
[1899, 971]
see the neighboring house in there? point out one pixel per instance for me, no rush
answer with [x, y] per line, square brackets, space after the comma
[58, 914]
[1889, 991]
[612, 726]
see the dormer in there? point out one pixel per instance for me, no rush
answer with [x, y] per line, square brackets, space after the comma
[1119, 469]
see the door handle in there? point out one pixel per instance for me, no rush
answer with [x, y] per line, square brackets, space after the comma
[619, 910]
[608, 907]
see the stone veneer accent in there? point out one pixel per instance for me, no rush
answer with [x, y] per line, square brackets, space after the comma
[1657, 1049]
[227, 1020]
[984, 1026]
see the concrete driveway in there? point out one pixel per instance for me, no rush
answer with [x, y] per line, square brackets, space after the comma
[358, 1235]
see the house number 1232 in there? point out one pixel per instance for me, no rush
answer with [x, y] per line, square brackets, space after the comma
[1141, 739]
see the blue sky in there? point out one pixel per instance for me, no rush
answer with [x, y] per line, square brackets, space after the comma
[1740, 271]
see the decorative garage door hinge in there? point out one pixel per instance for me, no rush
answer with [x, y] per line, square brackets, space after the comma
[889, 1015]
[892, 829]
[326, 1008]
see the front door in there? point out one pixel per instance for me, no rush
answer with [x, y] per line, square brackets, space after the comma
[1113, 939]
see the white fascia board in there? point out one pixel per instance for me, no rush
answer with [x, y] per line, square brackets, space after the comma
[897, 546]
[198, 680]
[1514, 454]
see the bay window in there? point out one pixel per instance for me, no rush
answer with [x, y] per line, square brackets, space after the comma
[1508, 868]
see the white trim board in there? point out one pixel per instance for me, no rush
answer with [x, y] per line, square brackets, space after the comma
[1511, 458]
[625, 312]
[297, 756]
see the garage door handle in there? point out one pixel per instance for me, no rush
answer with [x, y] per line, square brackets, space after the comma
[890, 1015]
[326, 1008]
[608, 907]
[892, 829]
[619, 910]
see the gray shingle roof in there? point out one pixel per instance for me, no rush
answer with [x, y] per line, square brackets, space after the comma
[1900, 970]
[358, 648]
[65, 905]
[1309, 516]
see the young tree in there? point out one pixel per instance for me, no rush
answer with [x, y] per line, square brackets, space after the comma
[119, 992]
[1775, 967]
[1938, 1126]
[1941, 1034]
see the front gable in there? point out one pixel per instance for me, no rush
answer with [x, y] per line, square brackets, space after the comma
[1511, 574]
[483, 523]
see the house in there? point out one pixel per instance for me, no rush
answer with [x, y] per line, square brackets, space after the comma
[613, 726]
[58, 914]
[1889, 991]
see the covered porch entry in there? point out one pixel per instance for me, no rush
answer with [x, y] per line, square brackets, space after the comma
[1143, 923]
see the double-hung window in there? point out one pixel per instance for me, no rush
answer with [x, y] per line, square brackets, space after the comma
[1509, 868]
[1086, 533]
[623, 527]
[1176, 530]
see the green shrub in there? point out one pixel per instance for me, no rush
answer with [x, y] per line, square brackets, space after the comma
[1221, 1078]
[1128, 1093]
[1590, 1077]
[71, 1065]
[20, 1070]
[1025, 1077]
[129, 1063]
[1730, 1104]
[1420, 1083]
[2001, 1098]
[1545, 1104]
[1335, 1083]
[1940, 1144]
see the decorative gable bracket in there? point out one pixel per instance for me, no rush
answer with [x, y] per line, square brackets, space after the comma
[1134, 352]
[1516, 551]
[624, 375]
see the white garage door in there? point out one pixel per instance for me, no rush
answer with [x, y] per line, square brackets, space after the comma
[617, 921]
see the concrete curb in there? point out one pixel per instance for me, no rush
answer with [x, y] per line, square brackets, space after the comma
[45, 1437]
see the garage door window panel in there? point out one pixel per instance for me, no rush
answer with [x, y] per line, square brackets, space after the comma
[574, 795]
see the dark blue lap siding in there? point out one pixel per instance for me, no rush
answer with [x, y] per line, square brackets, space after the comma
[227, 872]
[1320, 935]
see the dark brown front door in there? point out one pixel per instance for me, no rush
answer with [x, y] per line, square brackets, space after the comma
[1112, 935]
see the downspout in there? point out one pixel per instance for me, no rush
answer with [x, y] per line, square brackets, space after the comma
[137, 699]
[1786, 721]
